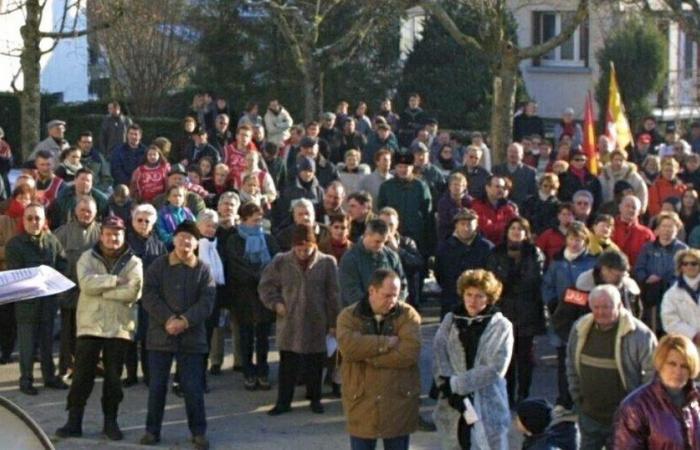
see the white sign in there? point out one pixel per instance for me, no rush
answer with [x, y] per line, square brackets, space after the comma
[26, 284]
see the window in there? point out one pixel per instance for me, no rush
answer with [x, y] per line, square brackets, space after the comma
[573, 52]
[688, 57]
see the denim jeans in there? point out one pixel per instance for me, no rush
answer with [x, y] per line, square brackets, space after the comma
[191, 381]
[255, 340]
[396, 443]
[594, 435]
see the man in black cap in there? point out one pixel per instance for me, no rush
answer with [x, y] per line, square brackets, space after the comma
[179, 293]
[201, 148]
[54, 142]
[110, 278]
[326, 172]
[304, 185]
[411, 198]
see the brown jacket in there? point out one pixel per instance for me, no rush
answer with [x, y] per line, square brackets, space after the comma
[8, 230]
[311, 299]
[381, 386]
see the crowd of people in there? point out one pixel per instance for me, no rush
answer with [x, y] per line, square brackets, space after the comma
[326, 232]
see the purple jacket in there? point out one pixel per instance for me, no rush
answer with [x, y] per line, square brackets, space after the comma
[647, 419]
[447, 208]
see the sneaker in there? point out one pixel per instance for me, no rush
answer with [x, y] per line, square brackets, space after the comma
[250, 384]
[215, 369]
[278, 409]
[200, 442]
[149, 439]
[264, 384]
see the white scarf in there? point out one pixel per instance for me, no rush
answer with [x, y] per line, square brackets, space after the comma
[570, 256]
[692, 282]
[209, 254]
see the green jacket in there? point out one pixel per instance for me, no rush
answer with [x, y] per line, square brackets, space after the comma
[24, 251]
[413, 202]
[100, 169]
[106, 309]
[356, 268]
[75, 239]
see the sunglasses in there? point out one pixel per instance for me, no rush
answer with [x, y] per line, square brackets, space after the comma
[690, 263]
[579, 159]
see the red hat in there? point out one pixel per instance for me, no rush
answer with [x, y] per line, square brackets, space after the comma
[644, 138]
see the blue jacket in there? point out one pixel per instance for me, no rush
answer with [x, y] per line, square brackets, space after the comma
[124, 161]
[454, 257]
[562, 275]
[655, 259]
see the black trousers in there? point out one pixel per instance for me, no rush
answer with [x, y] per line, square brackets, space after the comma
[8, 329]
[87, 354]
[564, 397]
[290, 364]
[519, 374]
[66, 355]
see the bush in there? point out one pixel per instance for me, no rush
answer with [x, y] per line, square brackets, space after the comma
[10, 117]
[639, 52]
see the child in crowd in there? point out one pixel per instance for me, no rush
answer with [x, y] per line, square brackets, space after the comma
[206, 171]
[543, 428]
[120, 203]
[172, 214]
[150, 179]
[70, 164]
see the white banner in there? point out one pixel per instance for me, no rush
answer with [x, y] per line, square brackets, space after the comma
[26, 284]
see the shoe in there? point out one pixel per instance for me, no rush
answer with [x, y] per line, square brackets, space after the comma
[74, 426]
[129, 381]
[237, 368]
[317, 408]
[149, 439]
[111, 429]
[56, 383]
[250, 384]
[426, 425]
[28, 389]
[335, 392]
[264, 384]
[177, 390]
[215, 369]
[200, 442]
[278, 409]
[67, 376]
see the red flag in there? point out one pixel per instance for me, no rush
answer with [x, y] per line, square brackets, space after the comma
[589, 144]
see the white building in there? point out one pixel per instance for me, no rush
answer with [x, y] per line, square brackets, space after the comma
[64, 70]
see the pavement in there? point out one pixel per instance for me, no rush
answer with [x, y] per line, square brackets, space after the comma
[237, 418]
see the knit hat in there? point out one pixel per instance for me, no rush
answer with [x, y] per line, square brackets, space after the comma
[305, 163]
[188, 226]
[535, 414]
[303, 234]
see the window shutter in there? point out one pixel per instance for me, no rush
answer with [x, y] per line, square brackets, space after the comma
[536, 34]
[583, 42]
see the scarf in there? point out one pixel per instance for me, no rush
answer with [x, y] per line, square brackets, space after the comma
[256, 251]
[578, 173]
[72, 168]
[570, 256]
[16, 210]
[209, 254]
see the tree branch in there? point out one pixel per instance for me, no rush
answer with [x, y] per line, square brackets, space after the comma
[554, 42]
[450, 26]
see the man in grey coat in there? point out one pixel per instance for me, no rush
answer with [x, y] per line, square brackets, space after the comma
[610, 354]
[301, 287]
[178, 295]
[54, 142]
[113, 129]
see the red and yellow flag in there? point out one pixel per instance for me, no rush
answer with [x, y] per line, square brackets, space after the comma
[617, 128]
[589, 143]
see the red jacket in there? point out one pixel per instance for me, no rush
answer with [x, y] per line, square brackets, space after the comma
[149, 182]
[631, 237]
[493, 220]
[235, 158]
[551, 242]
[648, 419]
[661, 190]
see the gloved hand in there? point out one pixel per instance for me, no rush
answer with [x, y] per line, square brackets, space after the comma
[445, 388]
[457, 402]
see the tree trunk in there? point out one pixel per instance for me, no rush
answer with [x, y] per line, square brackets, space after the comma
[30, 97]
[313, 96]
[504, 84]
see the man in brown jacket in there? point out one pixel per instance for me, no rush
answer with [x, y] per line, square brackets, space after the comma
[379, 339]
[301, 287]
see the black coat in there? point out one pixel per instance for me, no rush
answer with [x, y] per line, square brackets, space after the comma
[242, 279]
[570, 183]
[521, 299]
[147, 249]
[542, 214]
[454, 257]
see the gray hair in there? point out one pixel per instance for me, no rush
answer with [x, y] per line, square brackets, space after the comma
[583, 193]
[145, 208]
[85, 199]
[634, 199]
[304, 203]
[228, 196]
[208, 215]
[607, 290]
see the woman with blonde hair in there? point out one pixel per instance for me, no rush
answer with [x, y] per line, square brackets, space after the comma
[665, 413]
[680, 312]
[472, 349]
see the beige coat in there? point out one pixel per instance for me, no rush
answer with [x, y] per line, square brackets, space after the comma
[104, 308]
[381, 386]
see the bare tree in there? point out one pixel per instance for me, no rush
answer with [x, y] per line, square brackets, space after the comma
[31, 52]
[685, 12]
[493, 39]
[309, 27]
[149, 51]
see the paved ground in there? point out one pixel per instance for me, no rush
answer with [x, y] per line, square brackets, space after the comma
[236, 417]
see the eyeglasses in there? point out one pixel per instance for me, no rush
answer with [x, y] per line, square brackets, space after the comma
[690, 263]
[34, 218]
[143, 220]
[579, 159]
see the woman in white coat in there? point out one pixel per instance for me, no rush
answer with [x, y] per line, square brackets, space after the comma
[472, 349]
[680, 311]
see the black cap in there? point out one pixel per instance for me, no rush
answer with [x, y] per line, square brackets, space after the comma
[404, 158]
[188, 226]
[177, 169]
[535, 414]
[621, 186]
[307, 142]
